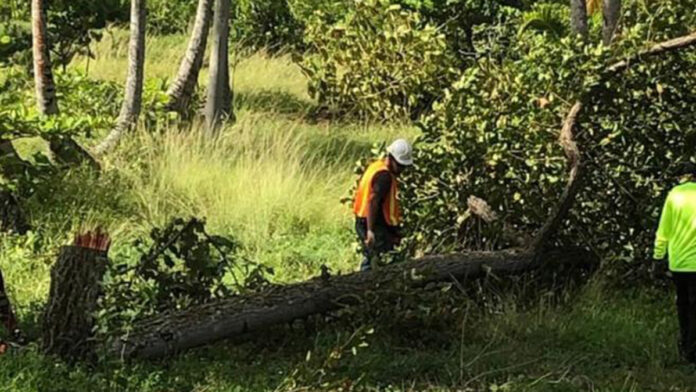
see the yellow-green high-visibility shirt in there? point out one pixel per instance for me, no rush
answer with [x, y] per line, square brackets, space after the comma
[676, 234]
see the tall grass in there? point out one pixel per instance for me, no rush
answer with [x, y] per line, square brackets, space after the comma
[273, 180]
[252, 74]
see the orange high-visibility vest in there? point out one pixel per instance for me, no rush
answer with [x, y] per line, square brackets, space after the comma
[390, 206]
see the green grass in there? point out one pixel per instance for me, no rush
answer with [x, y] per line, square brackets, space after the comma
[274, 180]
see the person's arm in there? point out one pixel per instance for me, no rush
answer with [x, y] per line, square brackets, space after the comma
[381, 183]
[663, 231]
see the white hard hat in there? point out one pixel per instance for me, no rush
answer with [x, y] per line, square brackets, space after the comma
[402, 151]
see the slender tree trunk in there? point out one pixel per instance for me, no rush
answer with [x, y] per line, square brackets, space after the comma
[183, 86]
[578, 17]
[43, 76]
[611, 12]
[132, 102]
[219, 101]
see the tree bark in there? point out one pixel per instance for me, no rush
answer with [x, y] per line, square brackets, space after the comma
[173, 332]
[611, 11]
[75, 288]
[43, 75]
[572, 153]
[185, 82]
[132, 102]
[219, 100]
[578, 18]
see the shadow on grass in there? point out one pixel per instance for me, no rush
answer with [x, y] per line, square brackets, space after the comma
[326, 147]
[273, 101]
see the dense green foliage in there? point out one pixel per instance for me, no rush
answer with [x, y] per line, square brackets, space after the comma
[494, 136]
[377, 62]
[383, 59]
[71, 26]
[179, 266]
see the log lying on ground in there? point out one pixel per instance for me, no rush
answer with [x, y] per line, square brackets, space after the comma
[75, 288]
[172, 332]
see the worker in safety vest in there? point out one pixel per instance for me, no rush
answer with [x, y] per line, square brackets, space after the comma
[676, 238]
[376, 205]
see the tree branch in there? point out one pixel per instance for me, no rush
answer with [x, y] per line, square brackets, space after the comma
[570, 147]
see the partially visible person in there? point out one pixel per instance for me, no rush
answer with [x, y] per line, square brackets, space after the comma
[676, 240]
[376, 205]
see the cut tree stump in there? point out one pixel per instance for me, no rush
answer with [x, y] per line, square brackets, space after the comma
[76, 281]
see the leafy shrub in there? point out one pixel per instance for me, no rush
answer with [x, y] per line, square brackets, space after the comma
[71, 26]
[180, 265]
[15, 40]
[379, 61]
[547, 18]
[494, 136]
[456, 19]
[331, 11]
[266, 24]
[169, 17]
[86, 105]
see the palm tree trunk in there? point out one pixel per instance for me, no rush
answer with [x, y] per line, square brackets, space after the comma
[182, 88]
[132, 102]
[611, 12]
[218, 104]
[578, 18]
[43, 76]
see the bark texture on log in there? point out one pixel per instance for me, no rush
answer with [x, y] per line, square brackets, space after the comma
[173, 332]
[185, 82]
[75, 288]
[611, 11]
[132, 101]
[578, 18]
[219, 100]
[43, 75]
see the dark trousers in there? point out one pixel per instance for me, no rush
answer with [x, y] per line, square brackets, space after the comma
[6, 316]
[686, 310]
[383, 243]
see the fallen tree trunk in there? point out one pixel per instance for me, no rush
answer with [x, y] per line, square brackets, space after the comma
[172, 332]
